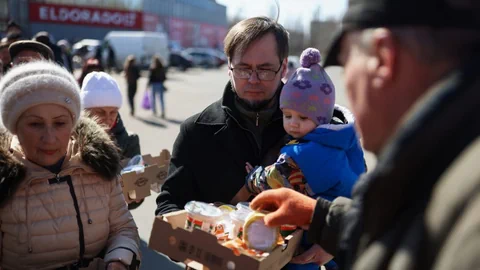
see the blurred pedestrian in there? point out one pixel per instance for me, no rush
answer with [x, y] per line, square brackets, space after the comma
[67, 58]
[61, 203]
[13, 31]
[102, 99]
[45, 38]
[156, 81]
[5, 55]
[111, 58]
[132, 74]
[28, 50]
[90, 65]
[414, 89]
[99, 55]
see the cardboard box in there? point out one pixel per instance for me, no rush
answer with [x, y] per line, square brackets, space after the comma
[137, 186]
[201, 250]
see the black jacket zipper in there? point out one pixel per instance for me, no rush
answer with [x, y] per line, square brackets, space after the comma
[79, 218]
[259, 150]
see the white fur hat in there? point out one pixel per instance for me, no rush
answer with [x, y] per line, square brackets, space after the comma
[100, 90]
[35, 83]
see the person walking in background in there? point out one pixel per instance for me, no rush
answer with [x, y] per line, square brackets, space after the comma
[156, 81]
[13, 31]
[132, 74]
[66, 54]
[111, 58]
[90, 65]
[5, 55]
[61, 203]
[45, 38]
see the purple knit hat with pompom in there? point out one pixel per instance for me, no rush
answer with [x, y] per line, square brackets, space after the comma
[310, 90]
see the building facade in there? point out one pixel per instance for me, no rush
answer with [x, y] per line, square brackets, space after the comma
[189, 23]
[322, 33]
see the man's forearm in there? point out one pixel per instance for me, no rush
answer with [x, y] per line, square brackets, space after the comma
[326, 223]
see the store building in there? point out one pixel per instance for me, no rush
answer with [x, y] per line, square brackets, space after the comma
[189, 23]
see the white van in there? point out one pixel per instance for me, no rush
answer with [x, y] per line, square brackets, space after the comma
[142, 44]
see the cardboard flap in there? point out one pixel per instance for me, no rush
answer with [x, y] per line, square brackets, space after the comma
[162, 162]
[163, 159]
[135, 185]
[176, 219]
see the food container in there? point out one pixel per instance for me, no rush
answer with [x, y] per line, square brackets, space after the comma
[257, 235]
[244, 206]
[224, 225]
[238, 220]
[202, 216]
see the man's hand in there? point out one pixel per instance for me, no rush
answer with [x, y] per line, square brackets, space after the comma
[130, 200]
[316, 254]
[248, 167]
[288, 207]
[116, 266]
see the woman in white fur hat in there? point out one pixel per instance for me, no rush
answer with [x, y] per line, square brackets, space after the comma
[61, 204]
[101, 99]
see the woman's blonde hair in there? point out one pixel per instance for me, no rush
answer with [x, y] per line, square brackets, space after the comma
[129, 61]
[156, 62]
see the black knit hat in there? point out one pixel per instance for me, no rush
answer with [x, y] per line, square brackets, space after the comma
[362, 14]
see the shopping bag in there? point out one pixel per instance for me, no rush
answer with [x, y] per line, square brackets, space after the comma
[146, 99]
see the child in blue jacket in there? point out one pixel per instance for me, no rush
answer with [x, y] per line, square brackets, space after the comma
[322, 159]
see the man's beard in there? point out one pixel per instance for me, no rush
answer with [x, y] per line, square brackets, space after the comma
[256, 106]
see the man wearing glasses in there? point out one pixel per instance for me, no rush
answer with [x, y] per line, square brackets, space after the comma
[245, 125]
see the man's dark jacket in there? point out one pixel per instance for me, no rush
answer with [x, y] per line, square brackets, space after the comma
[210, 152]
[419, 208]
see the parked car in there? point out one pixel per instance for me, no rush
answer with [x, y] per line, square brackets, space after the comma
[205, 57]
[175, 46]
[181, 60]
[222, 58]
[83, 50]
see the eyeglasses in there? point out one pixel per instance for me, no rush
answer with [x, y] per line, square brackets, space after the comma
[262, 74]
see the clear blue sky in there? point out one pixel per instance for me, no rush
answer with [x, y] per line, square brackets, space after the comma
[291, 11]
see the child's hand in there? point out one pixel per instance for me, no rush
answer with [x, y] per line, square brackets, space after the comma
[248, 167]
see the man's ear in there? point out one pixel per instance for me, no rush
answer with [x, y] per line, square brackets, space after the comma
[381, 64]
[284, 67]
[229, 65]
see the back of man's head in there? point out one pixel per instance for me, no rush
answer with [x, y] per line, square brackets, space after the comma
[242, 34]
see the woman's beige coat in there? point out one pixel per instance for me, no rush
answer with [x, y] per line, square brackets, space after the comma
[46, 224]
